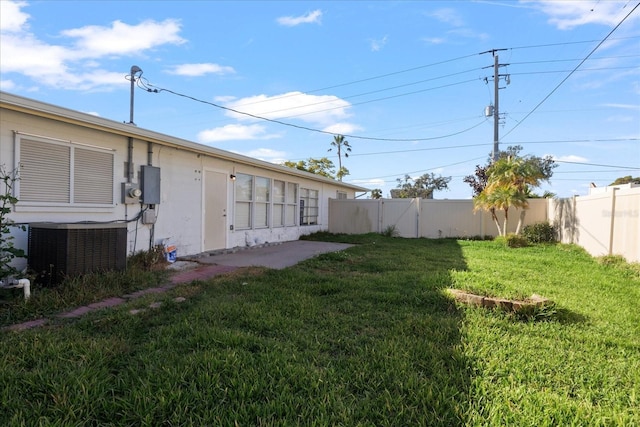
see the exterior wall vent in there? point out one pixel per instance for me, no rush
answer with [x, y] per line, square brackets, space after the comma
[57, 251]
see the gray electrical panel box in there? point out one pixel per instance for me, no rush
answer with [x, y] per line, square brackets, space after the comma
[150, 183]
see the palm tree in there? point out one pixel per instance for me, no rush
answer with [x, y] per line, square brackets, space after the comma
[342, 147]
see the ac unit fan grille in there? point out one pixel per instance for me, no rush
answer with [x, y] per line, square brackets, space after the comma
[60, 250]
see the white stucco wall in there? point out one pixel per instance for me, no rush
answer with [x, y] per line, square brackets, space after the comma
[180, 211]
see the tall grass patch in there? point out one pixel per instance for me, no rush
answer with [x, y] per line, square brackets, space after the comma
[142, 272]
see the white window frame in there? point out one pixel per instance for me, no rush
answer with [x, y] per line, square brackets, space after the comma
[291, 205]
[245, 202]
[278, 208]
[309, 206]
[68, 183]
[262, 202]
[279, 203]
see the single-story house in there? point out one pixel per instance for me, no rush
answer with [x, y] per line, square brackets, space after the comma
[76, 168]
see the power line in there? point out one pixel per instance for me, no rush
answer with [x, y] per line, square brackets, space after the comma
[394, 73]
[593, 171]
[614, 170]
[419, 171]
[596, 164]
[418, 149]
[376, 100]
[261, 117]
[564, 71]
[397, 87]
[147, 87]
[298, 93]
[571, 60]
[570, 43]
[573, 71]
[483, 144]
[369, 93]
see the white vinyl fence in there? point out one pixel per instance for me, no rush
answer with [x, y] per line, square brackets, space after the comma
[424, 217]
[604, 224]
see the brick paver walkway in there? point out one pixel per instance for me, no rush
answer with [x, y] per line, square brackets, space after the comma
[201, 273]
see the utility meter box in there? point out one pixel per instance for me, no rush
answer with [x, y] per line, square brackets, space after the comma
[130, 193]
[150, 185]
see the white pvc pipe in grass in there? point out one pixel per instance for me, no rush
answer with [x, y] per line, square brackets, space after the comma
[25, 284]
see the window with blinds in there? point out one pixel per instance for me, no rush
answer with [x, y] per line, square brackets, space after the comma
[59, 173]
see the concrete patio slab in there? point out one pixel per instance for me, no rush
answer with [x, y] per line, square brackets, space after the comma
[276, 256]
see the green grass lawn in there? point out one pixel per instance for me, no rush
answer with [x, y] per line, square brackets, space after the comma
[366, 336]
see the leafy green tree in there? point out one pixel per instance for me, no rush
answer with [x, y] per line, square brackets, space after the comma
[478, 181]
[421, 187]
[301, 165]
[626, 180]
[342, 147]
[322, 166]
[342, 173]
[509, 182]
[376, 193]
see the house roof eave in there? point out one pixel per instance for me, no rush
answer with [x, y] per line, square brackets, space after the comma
[41, 109]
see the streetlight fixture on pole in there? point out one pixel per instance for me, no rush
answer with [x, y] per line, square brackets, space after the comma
[134, 70]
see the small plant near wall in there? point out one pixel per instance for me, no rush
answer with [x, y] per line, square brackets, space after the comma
[8, 252]
[390, 231]
[512, 240]
[540, 232]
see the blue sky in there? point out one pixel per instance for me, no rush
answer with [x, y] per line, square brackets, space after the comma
[407, 82]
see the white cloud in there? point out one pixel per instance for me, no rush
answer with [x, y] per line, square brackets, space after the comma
[378, 44]
[570, 158]
[24, 54]
[434, 40]
[468, 33]
[321, 110]
[194, 70]
[314, 17]
[452, 18]
[76, 66]
[369, 183]
[342, 128]
[234, 132]
[95, 41]
[12, 18]
[623, 106]
[7, 85]
[448, 16]
[566, 15]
